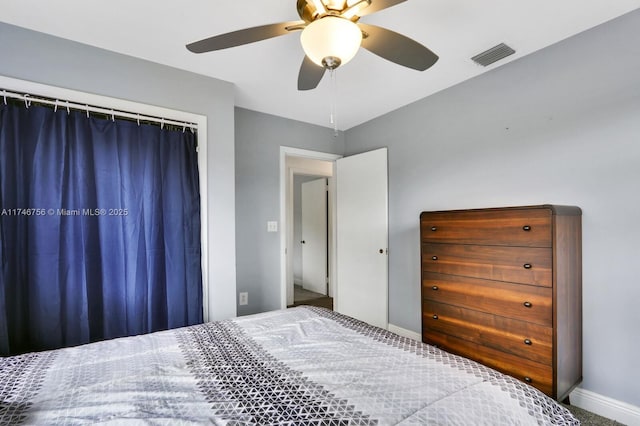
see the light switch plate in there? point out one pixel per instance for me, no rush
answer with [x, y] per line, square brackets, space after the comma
[244, 298]
[272, 226]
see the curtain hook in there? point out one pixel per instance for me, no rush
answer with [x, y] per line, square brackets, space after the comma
[68, 109]
[4, 95]
[138, 119]
[87, 106]
[184, 128]
[113, 116]
[55, 107]
[26, 100]
[162, 123]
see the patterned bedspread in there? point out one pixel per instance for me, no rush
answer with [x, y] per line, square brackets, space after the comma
[301, 366]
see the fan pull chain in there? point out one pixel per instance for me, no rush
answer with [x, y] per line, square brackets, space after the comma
[334, 101]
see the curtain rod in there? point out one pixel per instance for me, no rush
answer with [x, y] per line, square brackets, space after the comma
[57, 103]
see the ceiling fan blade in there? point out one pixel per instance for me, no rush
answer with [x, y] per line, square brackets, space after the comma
[245, 36]
[397, 48]
[378, 5]
[310, 74]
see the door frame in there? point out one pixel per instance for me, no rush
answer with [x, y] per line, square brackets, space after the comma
[286, 211]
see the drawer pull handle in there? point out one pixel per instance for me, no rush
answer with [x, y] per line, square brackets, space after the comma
[434, 257]
[527, 266]
[528, 380]
[527, 304]
[435, 288]
[526, 228]
[434, 229]
[528, 342]
[435, 316]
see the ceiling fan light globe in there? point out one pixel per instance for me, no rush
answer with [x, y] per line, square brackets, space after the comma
[331, 37]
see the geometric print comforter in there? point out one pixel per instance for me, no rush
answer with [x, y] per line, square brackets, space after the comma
[300, 366]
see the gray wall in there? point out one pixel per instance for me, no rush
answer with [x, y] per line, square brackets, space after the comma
[559, 126]
[36, 57]
[258, 141]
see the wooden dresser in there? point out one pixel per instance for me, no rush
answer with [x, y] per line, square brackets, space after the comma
[503, 286]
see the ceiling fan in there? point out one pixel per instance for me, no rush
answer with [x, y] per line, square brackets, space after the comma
[331, 36]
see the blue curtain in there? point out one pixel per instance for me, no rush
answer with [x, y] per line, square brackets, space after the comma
[99, 228]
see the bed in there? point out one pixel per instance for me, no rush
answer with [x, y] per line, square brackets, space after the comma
[300, 366]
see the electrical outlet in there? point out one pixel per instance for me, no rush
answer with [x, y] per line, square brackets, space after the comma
[244, 298]
[272, 226]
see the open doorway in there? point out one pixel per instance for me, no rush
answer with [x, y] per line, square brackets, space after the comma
[302, 168]
[310, 247]
[358, 229]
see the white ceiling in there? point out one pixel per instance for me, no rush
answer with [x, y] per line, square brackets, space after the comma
[265, 73]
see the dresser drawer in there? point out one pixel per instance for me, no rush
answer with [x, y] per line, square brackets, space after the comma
[536, 374]
[519, 227]
[526, 265]
[523, 302]
[520, 338]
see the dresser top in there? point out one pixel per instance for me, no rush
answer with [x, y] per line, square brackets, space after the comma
[555, 209]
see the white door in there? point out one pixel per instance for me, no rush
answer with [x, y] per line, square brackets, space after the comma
[362, 237]
[314, 236]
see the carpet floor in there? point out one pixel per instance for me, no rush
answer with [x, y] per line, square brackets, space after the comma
[588, 418]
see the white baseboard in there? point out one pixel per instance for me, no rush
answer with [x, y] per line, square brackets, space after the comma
[404, 332]
[607, 407]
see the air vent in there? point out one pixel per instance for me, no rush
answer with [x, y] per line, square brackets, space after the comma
[492, 55]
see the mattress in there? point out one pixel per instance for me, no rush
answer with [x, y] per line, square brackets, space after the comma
[300, 366]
